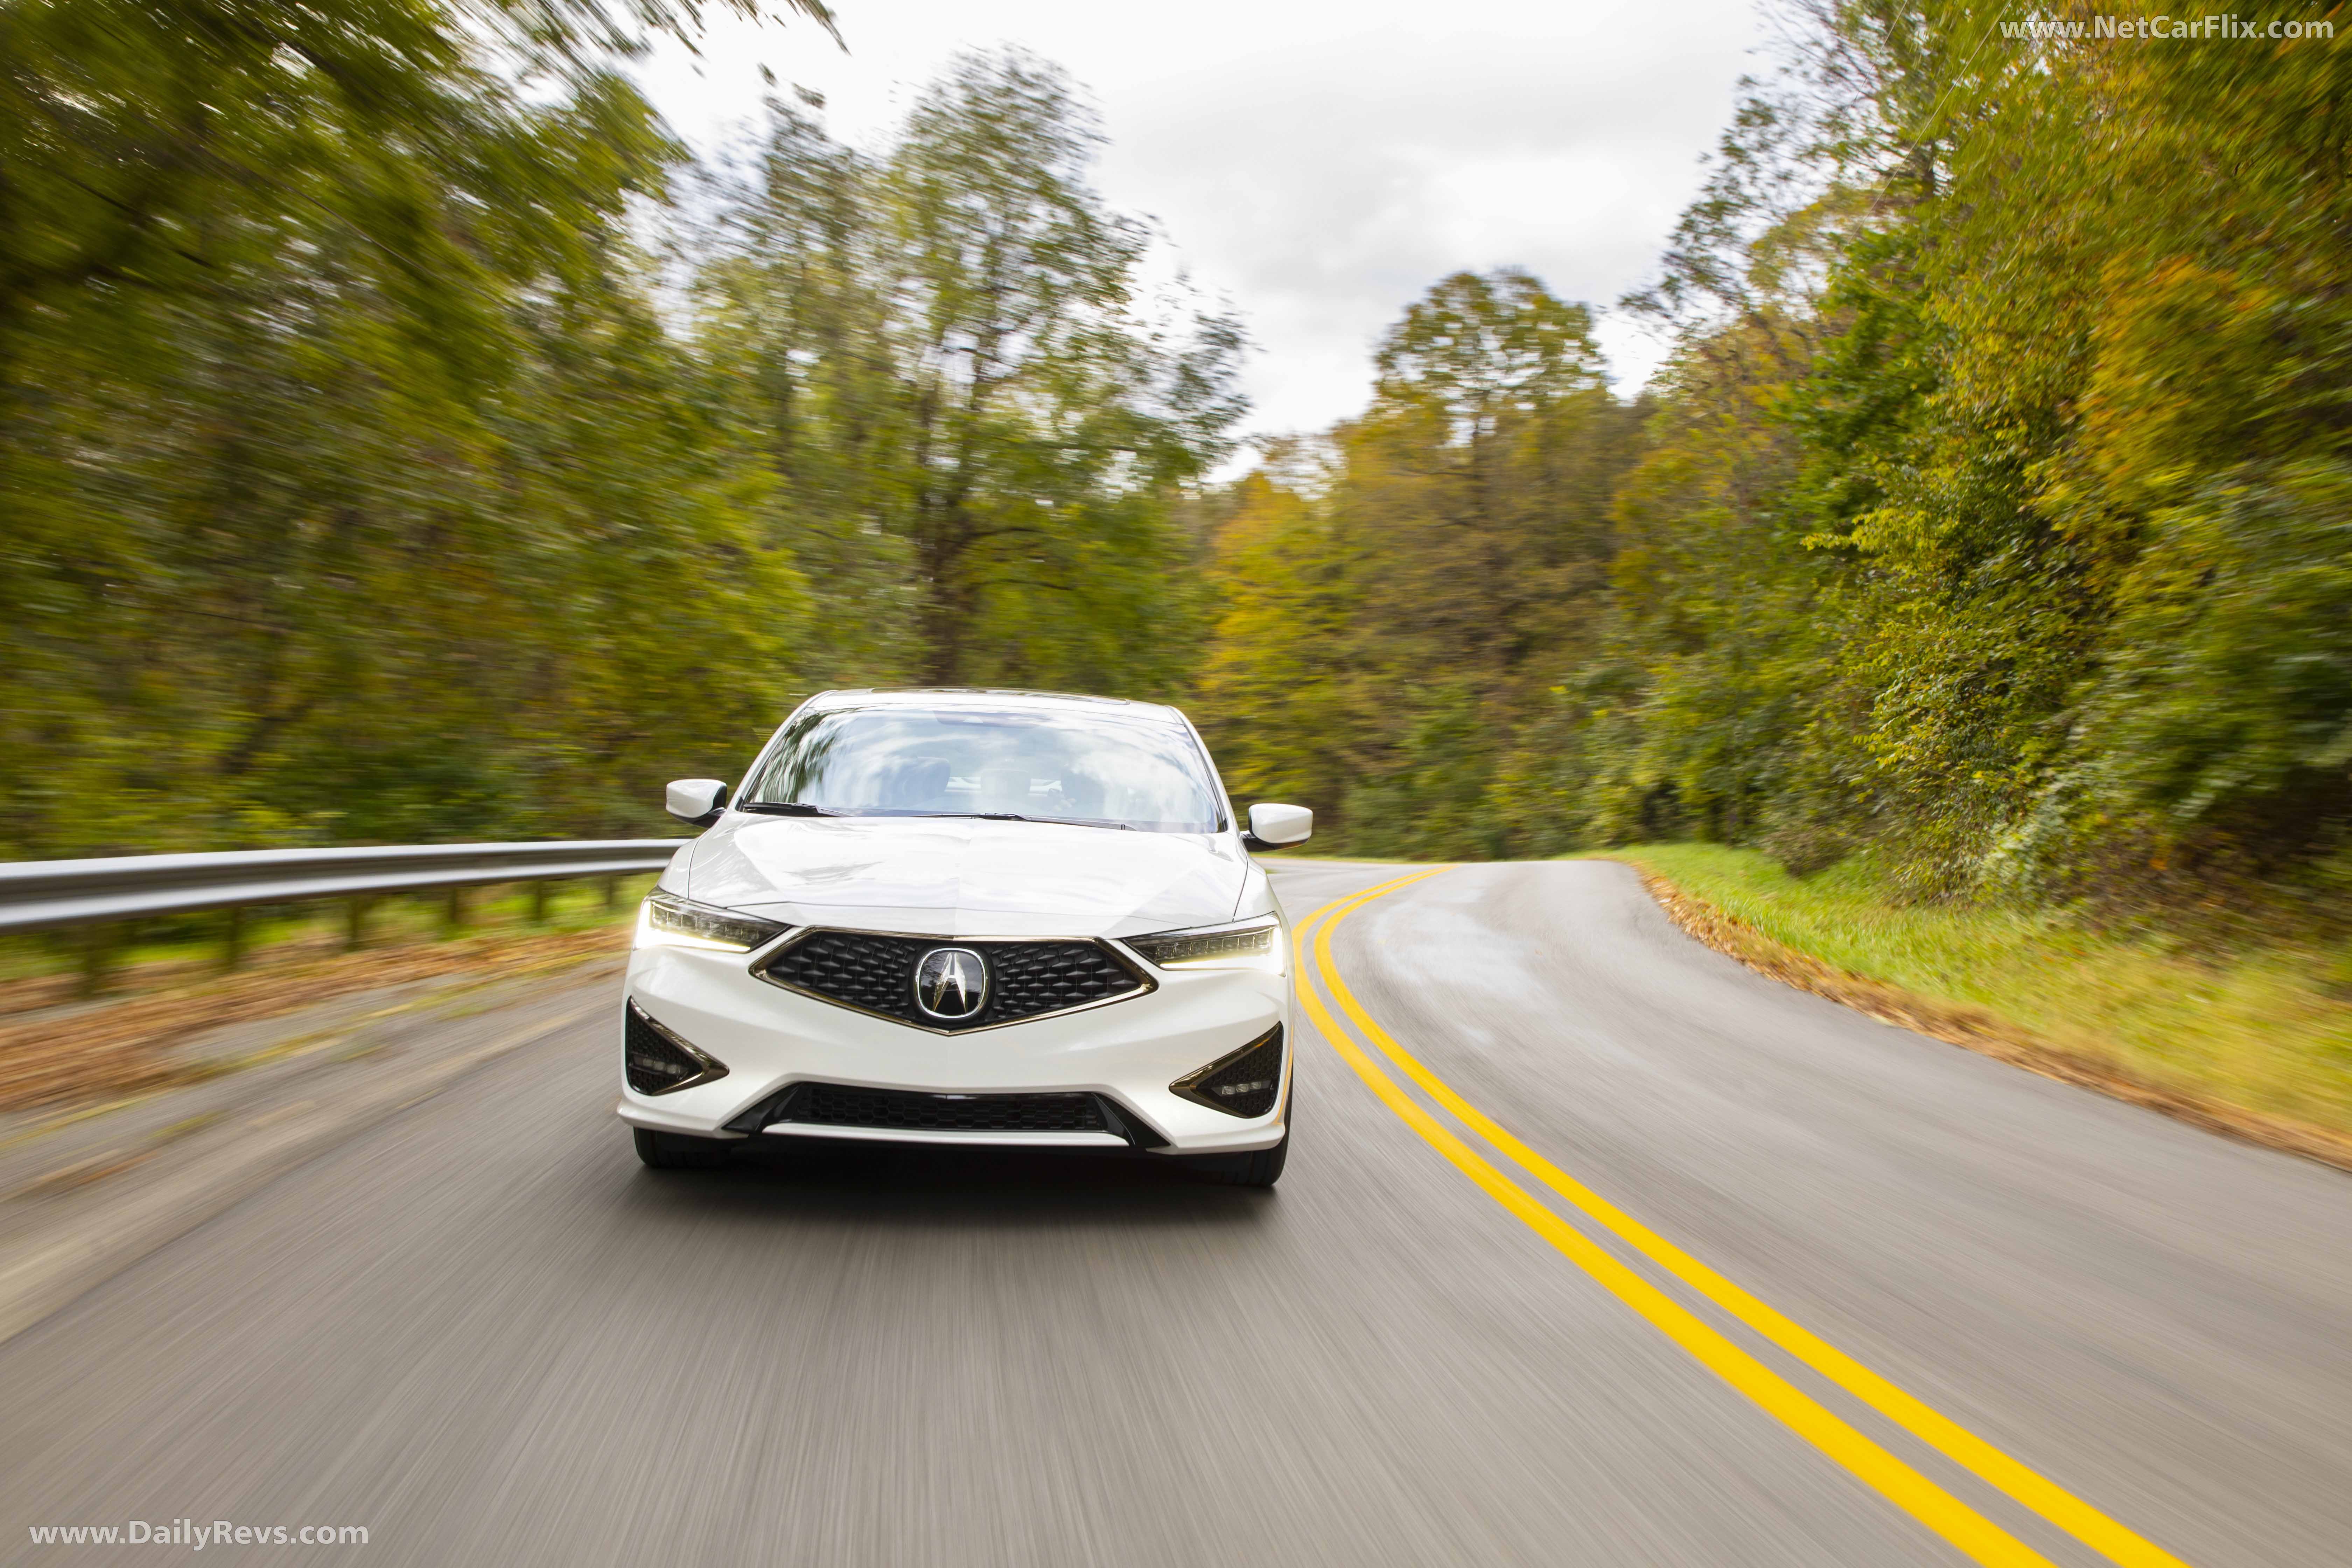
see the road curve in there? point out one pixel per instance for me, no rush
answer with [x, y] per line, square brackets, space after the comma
[482, 1331]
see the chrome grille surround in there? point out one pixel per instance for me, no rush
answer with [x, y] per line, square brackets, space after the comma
[872, 971]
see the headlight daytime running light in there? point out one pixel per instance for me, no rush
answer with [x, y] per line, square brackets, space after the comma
[669, 921]
[1251, 944]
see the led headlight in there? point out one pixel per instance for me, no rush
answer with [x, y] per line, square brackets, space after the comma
[1248, 945]
[669, 921]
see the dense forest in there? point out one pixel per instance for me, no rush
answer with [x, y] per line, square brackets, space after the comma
[1992, 514]
[402, 437]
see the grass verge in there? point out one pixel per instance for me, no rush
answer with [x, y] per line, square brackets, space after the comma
[2256, 1044]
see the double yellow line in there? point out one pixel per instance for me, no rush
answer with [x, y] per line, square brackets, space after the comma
[1939, 1510]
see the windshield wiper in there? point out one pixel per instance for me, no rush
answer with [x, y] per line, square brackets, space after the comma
[1016, 816]
[787, 808]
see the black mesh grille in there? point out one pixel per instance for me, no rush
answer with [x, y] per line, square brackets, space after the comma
[836, 1105]
[1025, 978]
[653, 1063]
[876, 972]
[1243, 1084]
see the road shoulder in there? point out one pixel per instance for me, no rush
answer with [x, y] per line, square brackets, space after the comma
[85, 1191]
[1979, 1030]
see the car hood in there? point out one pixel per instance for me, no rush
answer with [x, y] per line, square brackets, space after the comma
[962, 877]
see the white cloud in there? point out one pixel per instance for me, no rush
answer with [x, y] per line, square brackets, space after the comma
[1321, 165]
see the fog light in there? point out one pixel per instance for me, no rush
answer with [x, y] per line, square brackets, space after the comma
[658, 1062]
[1240, 1083]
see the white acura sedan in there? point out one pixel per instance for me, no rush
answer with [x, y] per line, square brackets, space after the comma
[999, 918]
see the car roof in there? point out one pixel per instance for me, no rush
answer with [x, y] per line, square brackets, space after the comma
[982, 696]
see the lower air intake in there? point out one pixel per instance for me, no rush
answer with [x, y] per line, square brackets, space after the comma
[894, 1110]
[1243, 1083]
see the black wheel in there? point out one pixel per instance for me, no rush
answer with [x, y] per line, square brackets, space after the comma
[668, 1151]
[1264, 1167]
[1259, 1168]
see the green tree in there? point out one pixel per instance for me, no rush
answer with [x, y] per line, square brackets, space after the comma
[1050, 424]
[1446, 562]
[344, 469]
[986, 435]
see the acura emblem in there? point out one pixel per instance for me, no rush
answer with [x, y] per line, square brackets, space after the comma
[952, 984]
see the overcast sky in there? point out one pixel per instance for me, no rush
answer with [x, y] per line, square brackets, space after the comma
[1317, 163]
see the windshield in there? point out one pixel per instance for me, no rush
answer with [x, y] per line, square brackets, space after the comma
[1107, 770]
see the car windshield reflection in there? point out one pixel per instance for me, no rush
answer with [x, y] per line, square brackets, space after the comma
[1009, 764]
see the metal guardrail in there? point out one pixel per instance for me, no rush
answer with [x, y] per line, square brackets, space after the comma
[39, 894]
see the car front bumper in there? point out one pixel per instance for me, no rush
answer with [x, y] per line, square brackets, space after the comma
[1129, 1051]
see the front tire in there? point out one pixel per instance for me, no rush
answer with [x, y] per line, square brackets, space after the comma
[1258, 1168]
[668, 1151]
[1264, 1167]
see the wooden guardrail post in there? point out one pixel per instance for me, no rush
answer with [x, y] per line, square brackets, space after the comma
[100, 946]
[355, 914]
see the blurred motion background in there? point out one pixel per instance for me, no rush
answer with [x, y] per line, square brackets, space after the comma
[1934, 574]
[394, 451]
[406, 437]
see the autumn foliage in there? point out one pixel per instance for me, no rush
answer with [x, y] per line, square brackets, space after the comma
[401, 437]
[1993, 513]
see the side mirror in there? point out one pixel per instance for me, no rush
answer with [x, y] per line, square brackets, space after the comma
[1277, 826]
[698, 800]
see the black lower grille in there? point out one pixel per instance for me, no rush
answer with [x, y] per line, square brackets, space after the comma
[837, 1105]
[1242, 1084]
[876, 973]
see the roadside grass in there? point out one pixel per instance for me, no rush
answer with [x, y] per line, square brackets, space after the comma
[2266, 1030]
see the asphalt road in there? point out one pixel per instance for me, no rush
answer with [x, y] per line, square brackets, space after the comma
[486, 1334]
